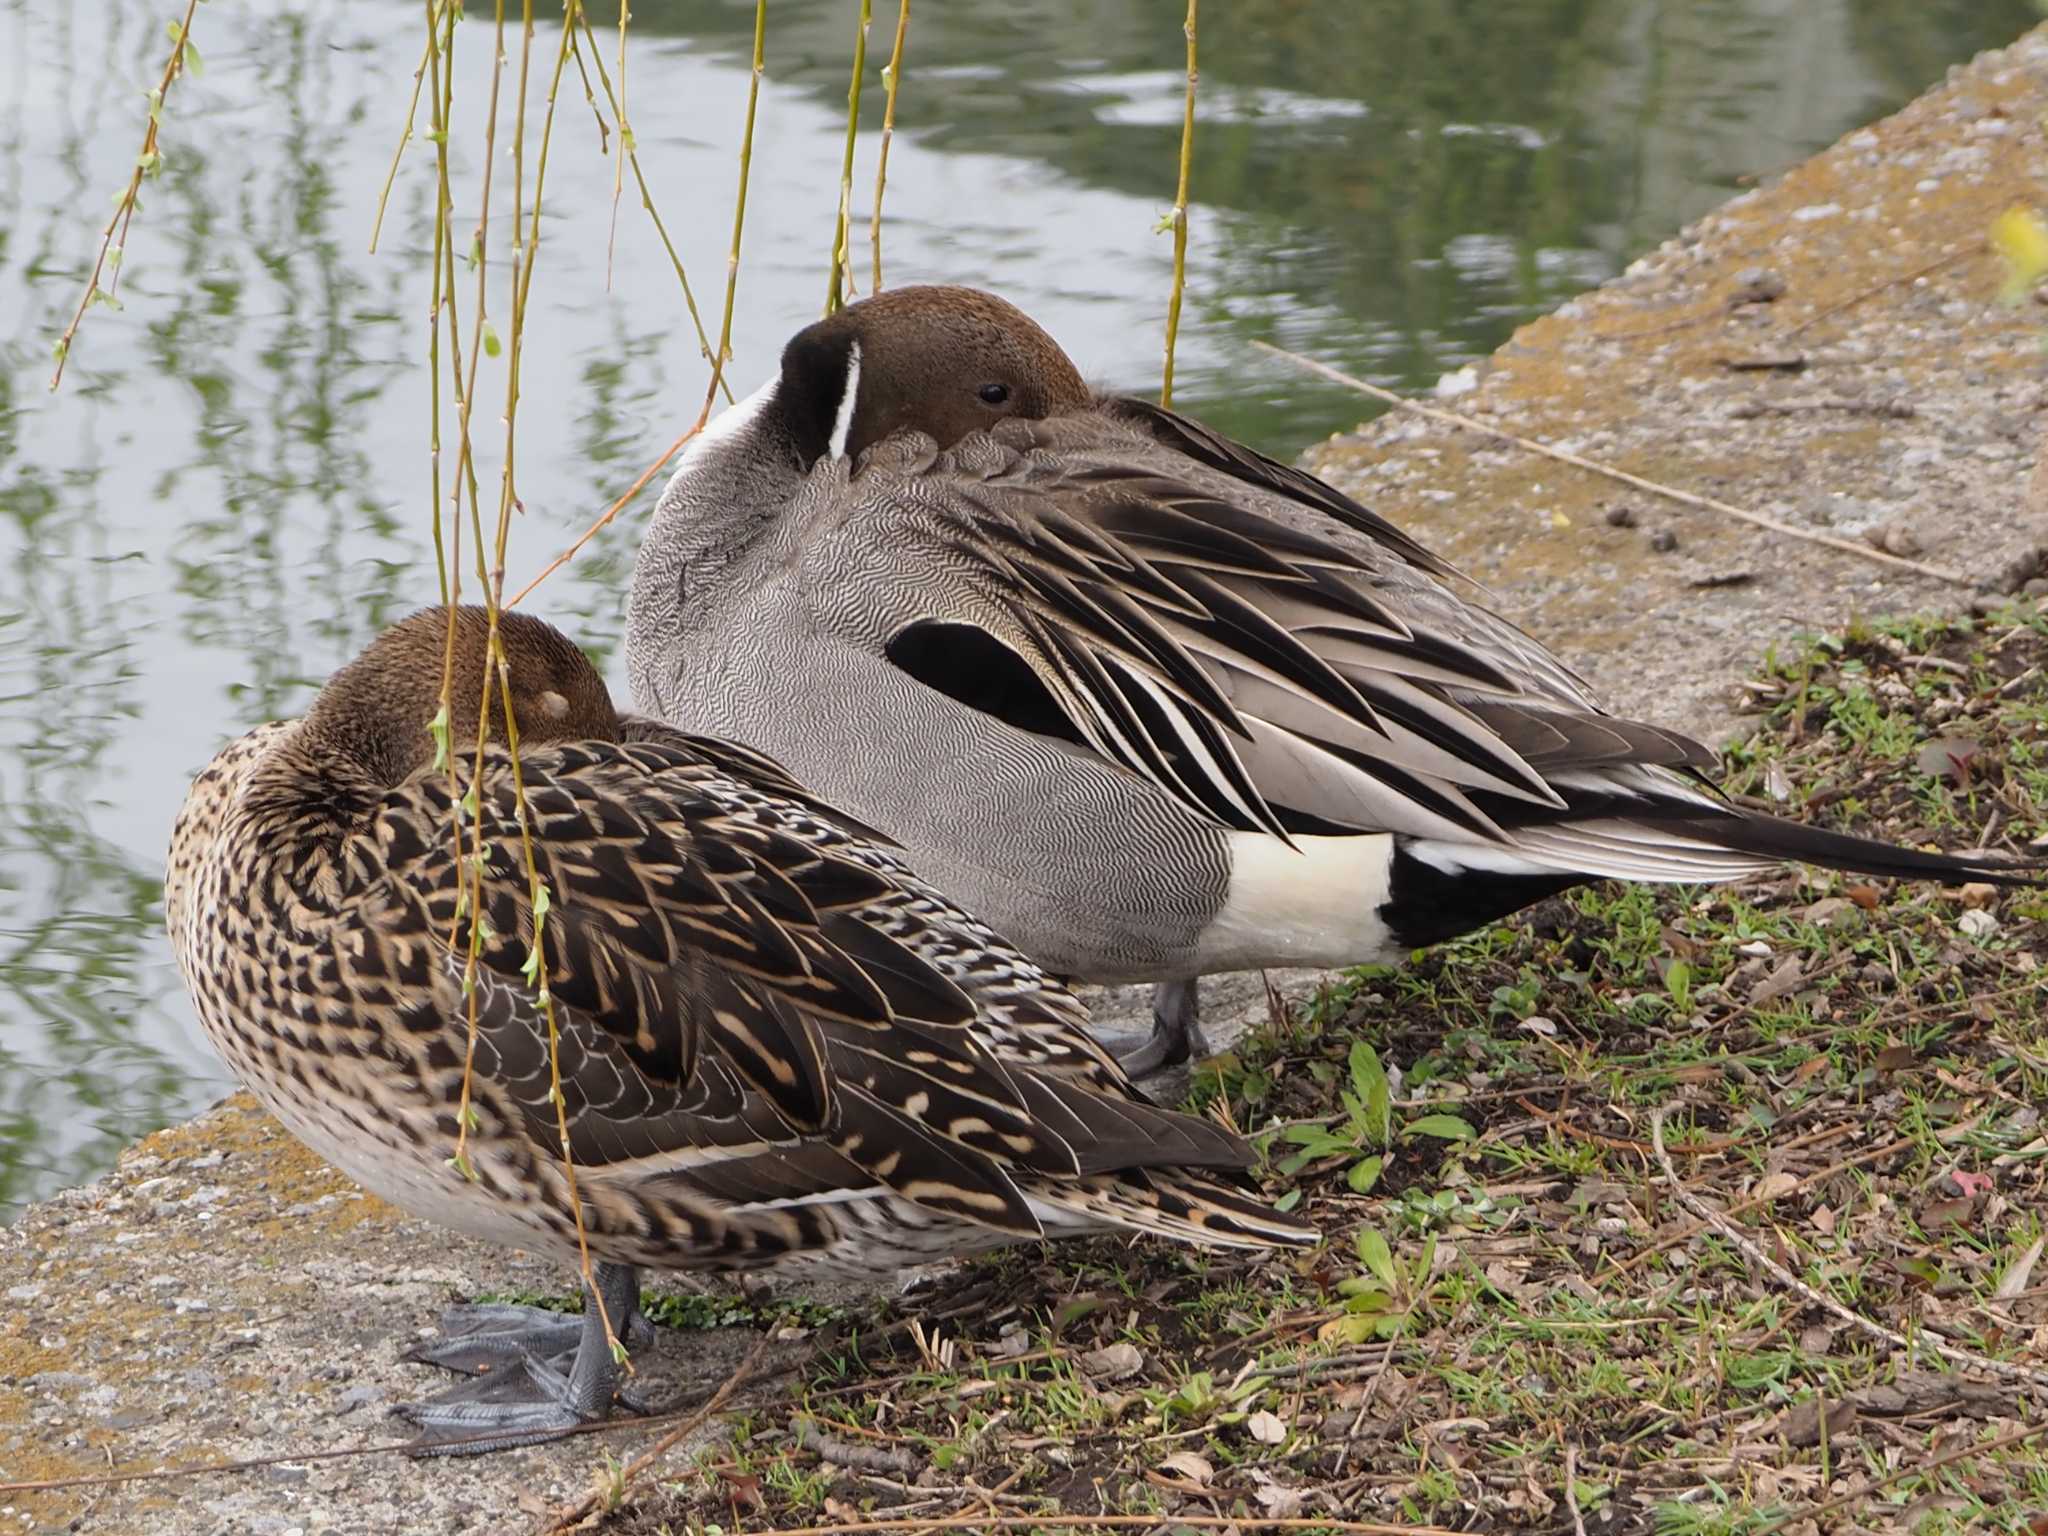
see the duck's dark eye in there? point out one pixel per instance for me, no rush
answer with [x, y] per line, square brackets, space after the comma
[994, 394]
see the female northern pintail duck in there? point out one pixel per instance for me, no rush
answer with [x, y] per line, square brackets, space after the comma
[779, 1050]
[1147, 701]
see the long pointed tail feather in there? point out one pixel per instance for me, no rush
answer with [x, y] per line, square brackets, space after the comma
[1772, 838]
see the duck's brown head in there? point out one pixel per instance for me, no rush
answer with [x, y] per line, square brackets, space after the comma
[942, 361]
[379, 710]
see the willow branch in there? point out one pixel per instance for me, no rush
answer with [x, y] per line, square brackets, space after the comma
[1179, 216]
[892, 76]
[149, 159]
[841, 259]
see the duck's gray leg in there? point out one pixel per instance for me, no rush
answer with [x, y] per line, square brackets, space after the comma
[537, 1374]
[481, 1338]
[1176, 1030]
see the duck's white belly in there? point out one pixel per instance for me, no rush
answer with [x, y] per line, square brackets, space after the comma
[1314, 904]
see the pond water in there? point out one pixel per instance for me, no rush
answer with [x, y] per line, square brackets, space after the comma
[229, 494]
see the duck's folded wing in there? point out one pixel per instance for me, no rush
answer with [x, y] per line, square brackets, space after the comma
[742, 1008]
[1208, 620]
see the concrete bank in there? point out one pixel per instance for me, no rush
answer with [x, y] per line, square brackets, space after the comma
[224, 1295]
[1829, 350]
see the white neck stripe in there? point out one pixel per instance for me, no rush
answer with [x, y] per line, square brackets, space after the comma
[842, 424]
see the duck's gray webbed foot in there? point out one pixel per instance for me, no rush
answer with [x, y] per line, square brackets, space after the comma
[534, 1374]
[1176, 1031]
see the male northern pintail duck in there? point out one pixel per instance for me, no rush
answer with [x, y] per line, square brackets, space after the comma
[779, 1050]
[1148, 702]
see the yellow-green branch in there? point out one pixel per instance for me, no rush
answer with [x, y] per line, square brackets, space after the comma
[1179, 216]
[835, 294]
[892, 76]
[183, 56]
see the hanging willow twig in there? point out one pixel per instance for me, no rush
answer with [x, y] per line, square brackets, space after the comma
[842, 269]
[892, 76]
[1179, 216]
[183, 57]
[724, 355]
[472, 861]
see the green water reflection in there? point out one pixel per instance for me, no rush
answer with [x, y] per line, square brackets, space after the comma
[229, 495]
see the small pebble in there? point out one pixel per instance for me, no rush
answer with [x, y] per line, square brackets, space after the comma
[1893, 539]
[1623, 516]
[1757, 285]
[1977, 923]
[1664, 541]
[1461, 382]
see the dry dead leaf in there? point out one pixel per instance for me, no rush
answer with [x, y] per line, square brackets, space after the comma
[743, 1488]
[1783, 981]
[1114, 1362]
[1940, 1213]
[1948, 757]
[1802, 1424]
[1830, 912]
[1189, 1467]
[1266, 1427]
[1772, 1185]
[1278, 1502]
[2020, 1273]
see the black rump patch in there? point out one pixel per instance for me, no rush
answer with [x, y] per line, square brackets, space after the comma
[1427, 905]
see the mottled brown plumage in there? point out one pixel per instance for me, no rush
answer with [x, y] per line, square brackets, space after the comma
[778, 1050]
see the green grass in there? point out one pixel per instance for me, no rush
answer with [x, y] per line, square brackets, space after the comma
[1506, 1278]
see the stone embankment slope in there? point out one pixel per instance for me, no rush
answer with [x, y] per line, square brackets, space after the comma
[224, 1295]
[1830, 351]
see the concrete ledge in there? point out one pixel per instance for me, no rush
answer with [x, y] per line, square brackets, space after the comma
[1636, 374]
[223, 1294]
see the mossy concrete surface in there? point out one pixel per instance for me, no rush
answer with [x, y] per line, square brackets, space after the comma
[223, 1294]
